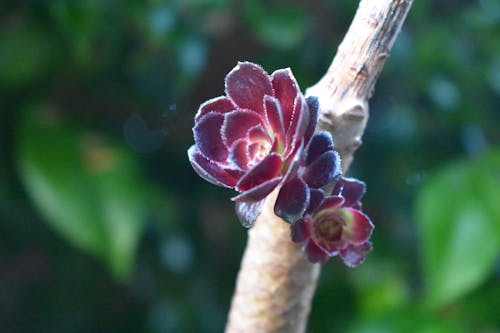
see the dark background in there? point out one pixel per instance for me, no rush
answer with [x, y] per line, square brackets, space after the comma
[104, 226]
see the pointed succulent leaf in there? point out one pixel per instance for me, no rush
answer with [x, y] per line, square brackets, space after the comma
[220, 104]
[208, 137]
[246, 86]
[323, 170]
[316, 197]
[351, 189]
[258, 192]
[315, 253]
[300, 230]
[210, 170]
[354, 255]
[274, 115]
[321, 143]
[237, 123]
[248, 212]
[285, 89]
[267, 169]
[292, 201]
[313, 105]
[358, 227]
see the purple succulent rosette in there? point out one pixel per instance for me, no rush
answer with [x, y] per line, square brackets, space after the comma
[253, 138]
[334, 224]
[319, 167]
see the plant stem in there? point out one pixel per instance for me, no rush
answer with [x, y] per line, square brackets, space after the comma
[276, 284]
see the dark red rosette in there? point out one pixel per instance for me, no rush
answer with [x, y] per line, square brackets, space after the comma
[334, 224]
[253, 138]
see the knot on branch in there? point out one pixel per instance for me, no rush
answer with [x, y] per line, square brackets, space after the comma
[346, 123]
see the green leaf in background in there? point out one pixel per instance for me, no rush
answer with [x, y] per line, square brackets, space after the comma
[459, 219]
[26, 52]
[80, 22]
[282, 26]
[87, 188]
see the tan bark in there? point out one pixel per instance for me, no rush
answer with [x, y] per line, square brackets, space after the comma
[276, 284]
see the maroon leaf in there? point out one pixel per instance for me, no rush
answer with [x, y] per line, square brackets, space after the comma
[352, 190]
[297, 126]
[285, 89]
[247, 84]
[248, 212]
[320, 143]
[353, 255]
[322, 171]
[267, 169]
[220, 104]
[330, 203]
[315, 253]
[274, 115]
[258, 192]
[210, 170]
[358, 228]
[236, 125]
[238, 154]
[315, 200]
[313, 104]
[258, 133]
[292, 201]
[207, 136]
[300, 231]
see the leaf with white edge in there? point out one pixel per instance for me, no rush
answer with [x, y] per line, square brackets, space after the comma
[87, 189]
[457, 212]
[248, 212]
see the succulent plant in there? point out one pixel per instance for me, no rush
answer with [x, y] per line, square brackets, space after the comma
[334, 224]
[259, 137]
[253, 138]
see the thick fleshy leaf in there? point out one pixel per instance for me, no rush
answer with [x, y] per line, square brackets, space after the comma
[353, 255]
[315, 200]
[298, 124]
[358, 228]
[320, 143]
[236, 125]
[267, 169]
[322, 171]
[286, 90]
[210, 170]
[220, 104]
[292, 201]
[258, 192]
[258, 133]
[352, 191]
[315, 253]
[207, 135]
[233, 170]
[247, 84]
[300, 231]
[330, 203]
[248, 212]
[274, 115]
[238, 154]
[313, 104]
[294, 162]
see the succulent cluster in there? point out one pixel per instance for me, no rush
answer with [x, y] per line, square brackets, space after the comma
[260, 136]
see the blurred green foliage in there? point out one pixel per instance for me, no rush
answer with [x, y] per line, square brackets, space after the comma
[105, 227]
[86, 188]
[458, 211]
